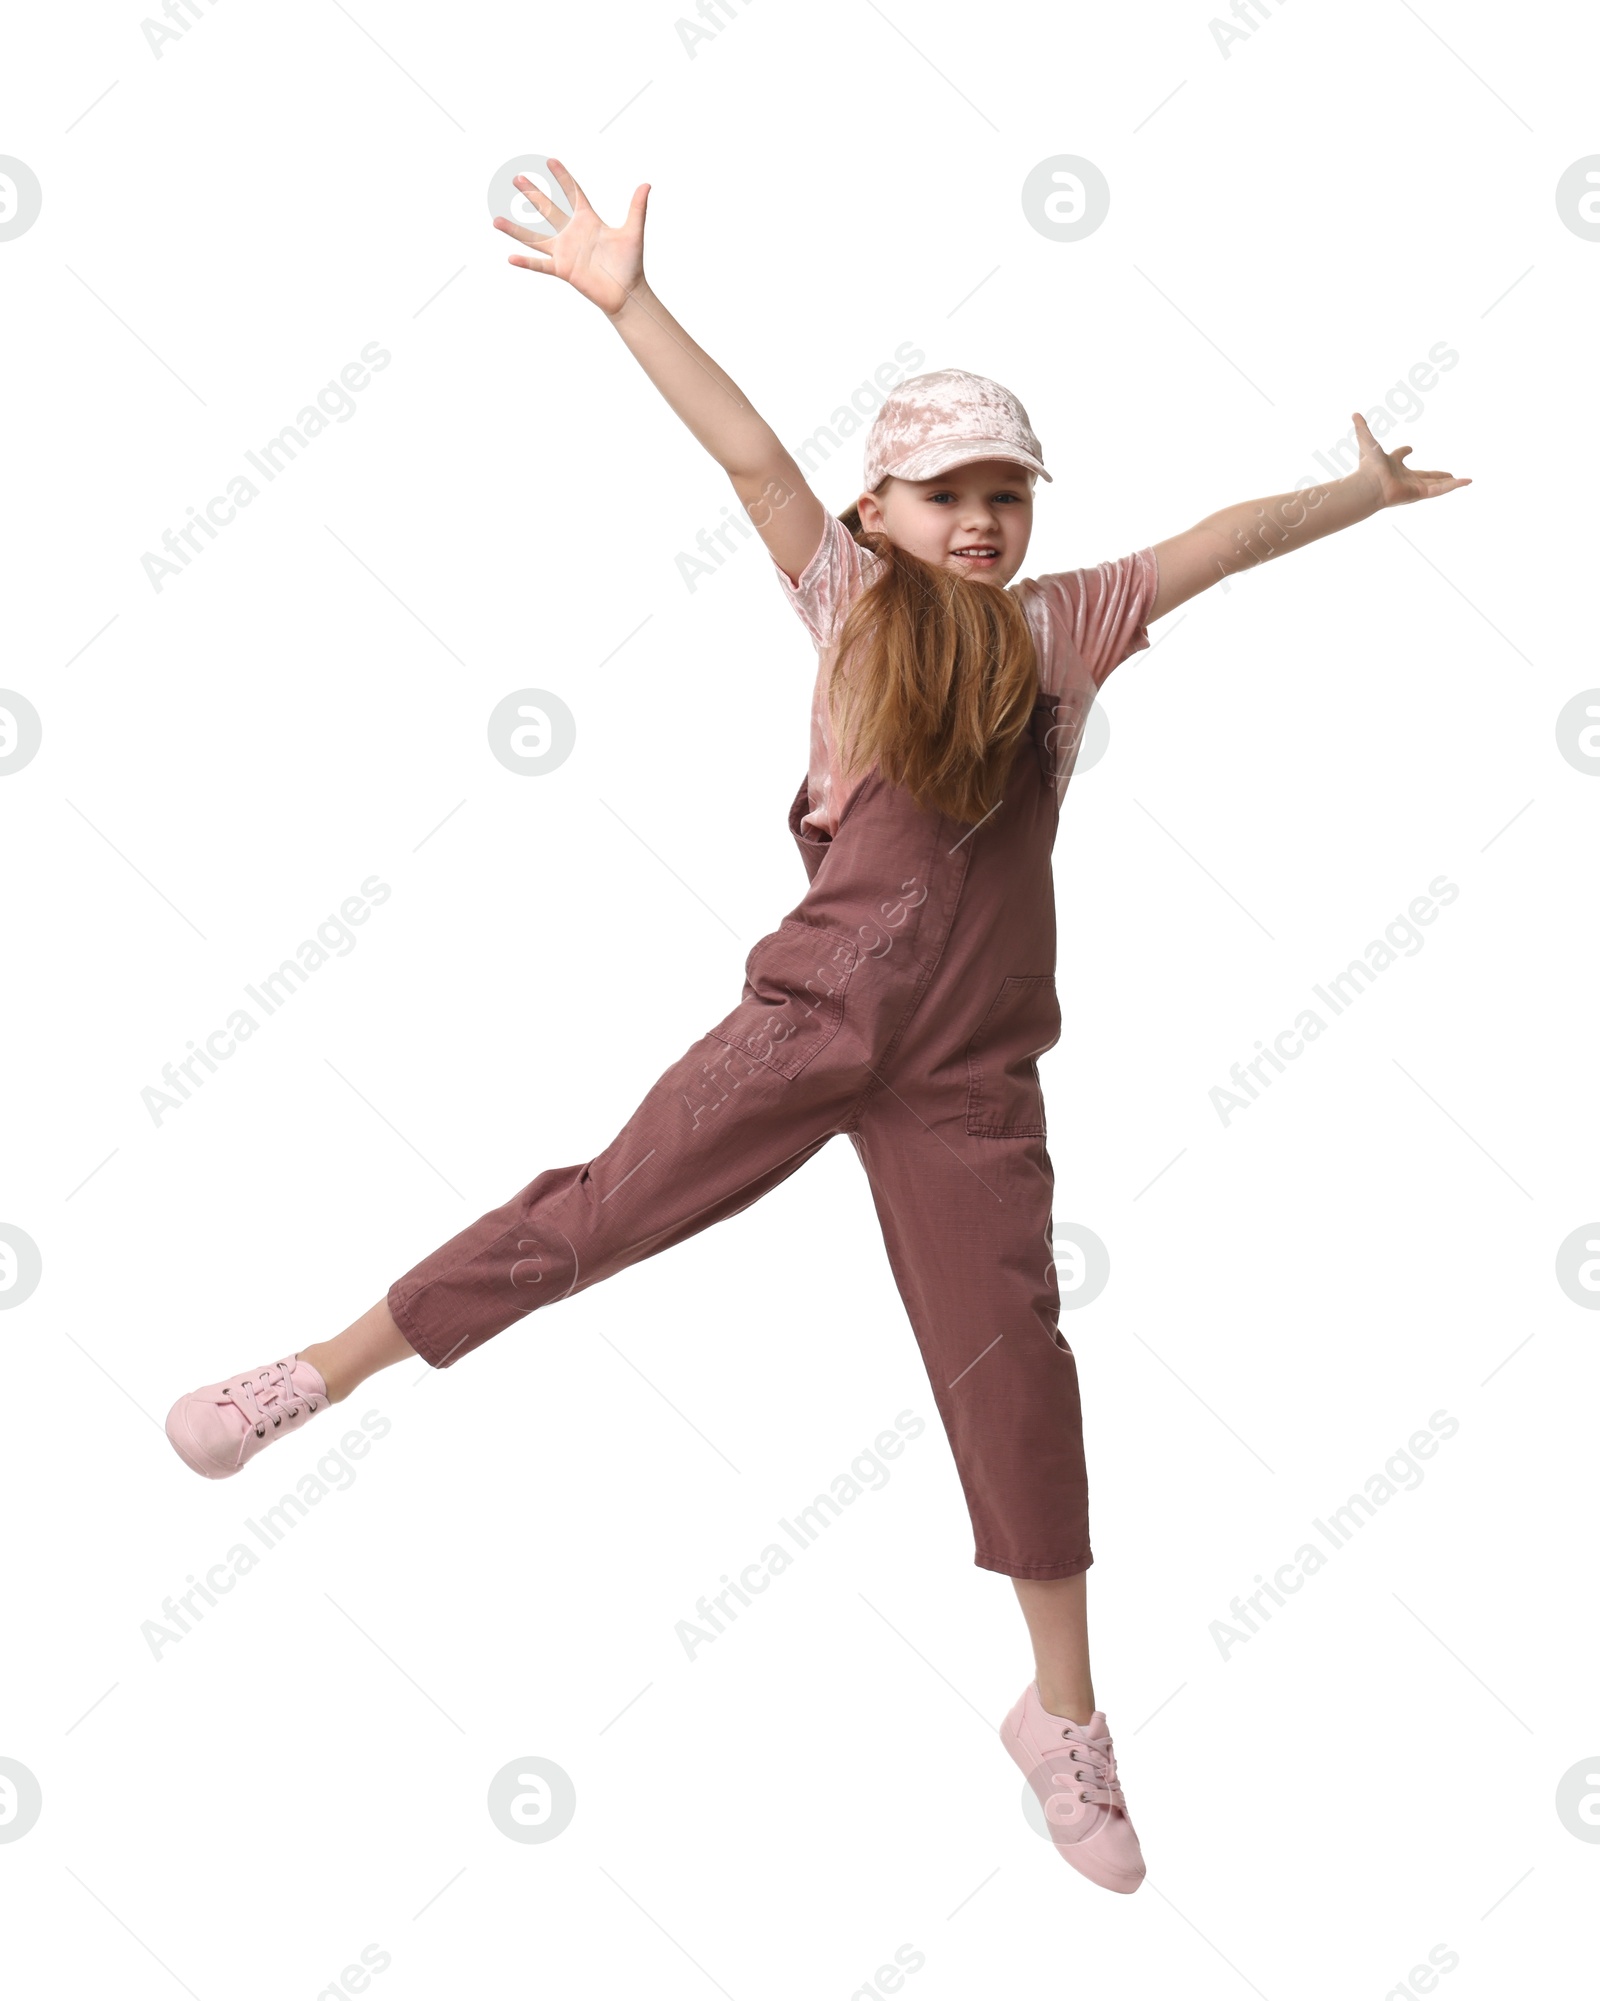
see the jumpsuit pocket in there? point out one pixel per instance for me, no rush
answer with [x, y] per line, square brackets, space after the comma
[1004, 1097]
[795, 980]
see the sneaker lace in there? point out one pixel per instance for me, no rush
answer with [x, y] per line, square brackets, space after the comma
[268, 1397]
[1093, 1777]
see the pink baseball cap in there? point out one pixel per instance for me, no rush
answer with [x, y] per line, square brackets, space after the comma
[929, 423]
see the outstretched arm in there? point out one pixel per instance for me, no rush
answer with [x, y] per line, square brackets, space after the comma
[606, 266]
[1239, 537]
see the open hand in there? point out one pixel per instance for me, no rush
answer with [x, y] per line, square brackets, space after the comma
[1392, 482]
[602, 263]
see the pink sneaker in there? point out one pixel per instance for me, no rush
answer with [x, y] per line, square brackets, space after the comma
[216, 1429]
[1073, 1772]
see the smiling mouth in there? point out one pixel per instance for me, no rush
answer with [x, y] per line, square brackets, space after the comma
[980, 552]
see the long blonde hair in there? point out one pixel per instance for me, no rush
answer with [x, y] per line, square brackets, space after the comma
[934, 679]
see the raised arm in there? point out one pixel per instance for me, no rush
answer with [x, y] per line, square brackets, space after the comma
[606, 266]
[1239, 537]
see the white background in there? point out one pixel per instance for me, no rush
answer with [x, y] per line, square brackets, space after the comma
[1292, 226]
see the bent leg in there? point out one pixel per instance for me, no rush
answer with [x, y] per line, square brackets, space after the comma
[966, 1224]
[716, 1131]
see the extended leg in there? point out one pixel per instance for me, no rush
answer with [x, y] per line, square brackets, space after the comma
[371, 1343]
[715, 1132]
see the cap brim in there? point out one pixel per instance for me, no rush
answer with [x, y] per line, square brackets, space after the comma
[949, 453]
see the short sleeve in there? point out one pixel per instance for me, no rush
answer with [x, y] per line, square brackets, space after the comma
[835, 576]
[1089, 621]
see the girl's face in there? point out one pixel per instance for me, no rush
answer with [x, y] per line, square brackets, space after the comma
[975, 519]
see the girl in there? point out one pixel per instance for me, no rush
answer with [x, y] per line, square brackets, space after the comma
[905, 999]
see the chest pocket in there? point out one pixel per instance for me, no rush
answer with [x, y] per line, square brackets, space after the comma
[1004, 1098]
[795, 981]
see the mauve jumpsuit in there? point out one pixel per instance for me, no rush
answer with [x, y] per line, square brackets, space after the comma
[902, 1001]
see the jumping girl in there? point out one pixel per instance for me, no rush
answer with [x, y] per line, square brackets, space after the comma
[906, 998]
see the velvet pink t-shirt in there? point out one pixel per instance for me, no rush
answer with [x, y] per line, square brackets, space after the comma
[1085, 622]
